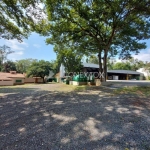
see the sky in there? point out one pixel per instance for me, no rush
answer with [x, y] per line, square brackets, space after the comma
[36, 48]
[33, 47]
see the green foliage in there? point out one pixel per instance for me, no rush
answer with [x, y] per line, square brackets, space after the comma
[147, 66]
[136, 64]
[130, 64]
[69, 58]
[4, 51]
[55, 65]
[39, 69]
[104, 27]
[23, 64]
[121, 66]
[110, 63]
[93, 59]
[8, 66]
[17, 16]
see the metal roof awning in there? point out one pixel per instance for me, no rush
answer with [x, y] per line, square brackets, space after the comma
[124, 72]
[96, 66]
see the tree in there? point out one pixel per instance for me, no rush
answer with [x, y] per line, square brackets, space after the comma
[0, 64]
[69, 58]
[55, 65]
[23, 64]
[110, 63]
[135, 64]
[39, 69]
[4, 51]
[130, 64]
[99, 26]
[17, 17]
[8, 66]
[147, 66]
[93, 59]
[122, 66]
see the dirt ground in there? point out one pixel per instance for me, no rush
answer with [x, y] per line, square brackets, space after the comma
[59, 116]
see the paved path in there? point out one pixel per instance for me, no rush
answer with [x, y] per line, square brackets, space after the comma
[127, 83]
[38, 117]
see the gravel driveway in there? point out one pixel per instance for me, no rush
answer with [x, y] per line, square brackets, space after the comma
[37, 117]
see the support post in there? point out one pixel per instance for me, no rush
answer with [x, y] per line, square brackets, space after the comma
[127, 78]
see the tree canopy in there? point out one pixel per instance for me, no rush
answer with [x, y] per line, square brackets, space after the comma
[4, 51]
[8, 66]
[39, 68]
[17, 17]
[23, 64]
[69, 58]
[130, 64]
[93, 59]
[99, 26]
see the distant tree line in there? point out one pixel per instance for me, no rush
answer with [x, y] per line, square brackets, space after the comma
[72, 61]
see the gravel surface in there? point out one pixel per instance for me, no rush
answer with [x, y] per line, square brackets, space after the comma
[38, 117]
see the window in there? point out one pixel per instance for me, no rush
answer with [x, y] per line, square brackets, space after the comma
[18, 81]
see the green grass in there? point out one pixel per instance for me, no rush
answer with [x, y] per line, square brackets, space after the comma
[137, 90]
[80, 88]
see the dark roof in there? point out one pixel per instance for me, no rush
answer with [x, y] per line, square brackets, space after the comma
[90, 65]
[124, 72]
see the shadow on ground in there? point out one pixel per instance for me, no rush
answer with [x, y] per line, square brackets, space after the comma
[93, 119]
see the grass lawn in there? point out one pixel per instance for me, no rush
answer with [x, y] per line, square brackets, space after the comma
[137, 90]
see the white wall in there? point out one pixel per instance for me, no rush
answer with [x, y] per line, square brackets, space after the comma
[145, 72]
[62, 71]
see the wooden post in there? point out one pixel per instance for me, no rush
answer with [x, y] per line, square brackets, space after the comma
[127, 77]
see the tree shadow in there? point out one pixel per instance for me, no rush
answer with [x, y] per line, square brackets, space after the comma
[93, 119]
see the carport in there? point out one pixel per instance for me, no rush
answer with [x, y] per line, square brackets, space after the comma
[123, 75]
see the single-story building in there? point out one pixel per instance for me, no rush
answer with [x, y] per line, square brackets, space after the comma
[32, 79]
[11, 78]
[89, 67]
[14, 78]
[124, 75]
[5, 81]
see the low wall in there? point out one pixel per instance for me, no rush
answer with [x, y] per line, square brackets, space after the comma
[77, 83]
[6, 82]
[33, 80]
[29, 80]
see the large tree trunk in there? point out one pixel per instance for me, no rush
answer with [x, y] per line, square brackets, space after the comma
[100, 63]
[105, 65]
